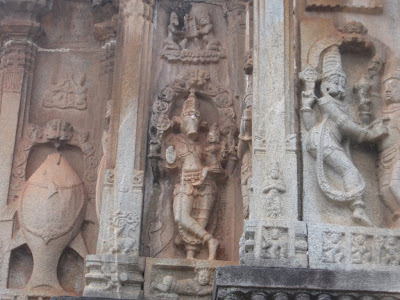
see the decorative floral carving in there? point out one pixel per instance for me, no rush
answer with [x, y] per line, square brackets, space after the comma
[125, 226]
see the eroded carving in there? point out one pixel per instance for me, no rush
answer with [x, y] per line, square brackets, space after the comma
[389, 156]
[274, 190]
[355, 4]
[367, 88]
[172, 288]
[361, 250]
[195, 43]
[332, 247]
[329, 135]
[275, 243]
[125, 226]
[69, 93]
[245, 138]
[389, 250]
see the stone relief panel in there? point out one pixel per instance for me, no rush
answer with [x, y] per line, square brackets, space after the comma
[340, 247]
[195, 42]
[179, 279]
[342, 127]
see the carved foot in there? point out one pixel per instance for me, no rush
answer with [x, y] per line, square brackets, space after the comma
[361, 218]
[190, 255]
[212, 248]
[396, 222]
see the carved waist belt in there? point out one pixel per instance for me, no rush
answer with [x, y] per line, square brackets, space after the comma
[191, 175]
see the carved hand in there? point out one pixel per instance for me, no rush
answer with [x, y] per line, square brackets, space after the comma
[377, 130]
[170, 155]
[308, 99]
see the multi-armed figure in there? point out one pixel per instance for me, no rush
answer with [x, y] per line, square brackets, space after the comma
[194, 193]
[328, 137]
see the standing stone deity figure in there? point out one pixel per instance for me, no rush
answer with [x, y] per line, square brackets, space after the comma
[389, 156]
[328, 139]
[194, 193]
[273, 190]
[200, 286]
[214, 153]
[365, 88]
[245, 135]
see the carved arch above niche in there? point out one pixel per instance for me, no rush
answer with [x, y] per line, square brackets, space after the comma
[352, 33]
[37, 135]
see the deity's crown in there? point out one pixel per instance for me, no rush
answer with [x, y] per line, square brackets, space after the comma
[332, 63]
[190, 105]
[393, 70]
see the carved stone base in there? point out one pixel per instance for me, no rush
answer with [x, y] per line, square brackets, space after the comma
[114, 276]
[274, 243]
[180, 278]
[243, 282]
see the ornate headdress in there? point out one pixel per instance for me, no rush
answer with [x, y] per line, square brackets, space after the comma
[190, 105]
[393, 70]
[332, 63]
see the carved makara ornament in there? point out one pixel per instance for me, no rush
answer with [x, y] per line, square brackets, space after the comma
[194, 193]
[51, 213]
[328, 137]
[389, 157]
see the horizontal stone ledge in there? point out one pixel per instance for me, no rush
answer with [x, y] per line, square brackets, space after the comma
[258, 278]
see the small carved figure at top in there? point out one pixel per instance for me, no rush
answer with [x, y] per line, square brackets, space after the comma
[195, 192]
[389, 156]
[174, 34]
[195, 43]
[274, 189]
[200, 286]
[365, 88]
[332, 250]
[361, 252]
[274, 244]
[69, 93]
[328, 137]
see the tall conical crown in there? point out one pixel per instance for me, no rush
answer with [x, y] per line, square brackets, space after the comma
[393, 69]
[190, 105]
[332, 63]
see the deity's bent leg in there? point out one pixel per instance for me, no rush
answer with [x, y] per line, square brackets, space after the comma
[183, 205]
[341, 164]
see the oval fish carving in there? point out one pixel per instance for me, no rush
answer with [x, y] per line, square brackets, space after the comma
[51, 213]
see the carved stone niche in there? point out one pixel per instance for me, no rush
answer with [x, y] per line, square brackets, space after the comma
[193, 198]
[341, 103]
[52, 223]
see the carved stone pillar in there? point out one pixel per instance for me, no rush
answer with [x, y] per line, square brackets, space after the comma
[18, 30]
[272, 233]
[117, 260]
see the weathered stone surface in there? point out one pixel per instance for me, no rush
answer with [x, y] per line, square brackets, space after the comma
[245, 282]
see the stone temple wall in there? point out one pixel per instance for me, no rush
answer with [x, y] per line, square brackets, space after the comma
[200, 149]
